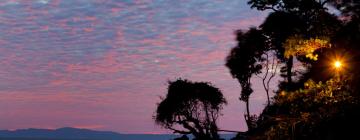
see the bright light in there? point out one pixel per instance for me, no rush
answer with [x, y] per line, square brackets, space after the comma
[337, 64]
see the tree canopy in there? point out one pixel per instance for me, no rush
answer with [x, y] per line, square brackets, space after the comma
[325, 102]
[191, 108]
[242, 63]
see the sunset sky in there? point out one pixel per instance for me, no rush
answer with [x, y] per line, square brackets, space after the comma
[103, 64]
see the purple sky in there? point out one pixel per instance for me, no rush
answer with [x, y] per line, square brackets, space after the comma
[102, 64]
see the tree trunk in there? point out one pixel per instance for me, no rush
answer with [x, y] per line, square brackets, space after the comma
[207, 127]
[268, 97]
[266, 87]
[247, 117]
[247, 108]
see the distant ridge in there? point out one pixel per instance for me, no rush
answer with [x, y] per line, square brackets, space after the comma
[69, 133]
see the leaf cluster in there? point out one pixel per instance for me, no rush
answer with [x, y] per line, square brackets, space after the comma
[300, 113]
[298, 46]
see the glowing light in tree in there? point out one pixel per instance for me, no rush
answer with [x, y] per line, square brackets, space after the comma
[337, 64]
[297, 45]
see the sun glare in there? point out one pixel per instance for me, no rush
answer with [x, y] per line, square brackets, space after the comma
[337, 64]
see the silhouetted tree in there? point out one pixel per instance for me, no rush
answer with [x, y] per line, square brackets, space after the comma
[305, 18]
[243, 62]
[279, 26]
[321, 109]
[191, 108]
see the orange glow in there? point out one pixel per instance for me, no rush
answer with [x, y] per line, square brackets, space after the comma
[337, 64]
[282, 93]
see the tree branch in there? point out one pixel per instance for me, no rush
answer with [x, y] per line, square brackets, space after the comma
[267, 77]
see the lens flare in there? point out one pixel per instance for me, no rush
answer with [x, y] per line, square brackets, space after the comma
[337, 64]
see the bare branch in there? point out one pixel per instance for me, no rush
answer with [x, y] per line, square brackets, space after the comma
[270, 72]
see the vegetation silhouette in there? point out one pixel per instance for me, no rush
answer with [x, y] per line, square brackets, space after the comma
[315, 100]
[304, 18]
[191, 108]
[323, 102]
[242, 64]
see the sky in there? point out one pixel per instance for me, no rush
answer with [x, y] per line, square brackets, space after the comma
[104, 64]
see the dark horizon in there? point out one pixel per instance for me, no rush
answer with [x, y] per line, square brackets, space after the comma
[67, 133]
[170, 133]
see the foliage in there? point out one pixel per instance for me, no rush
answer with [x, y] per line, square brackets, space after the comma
[194, 106]
[242, 60]
[279, 26]
[307, 19]
[288, 5]
[243, 63]
[296, 45]
[312, 109]
[300, 113]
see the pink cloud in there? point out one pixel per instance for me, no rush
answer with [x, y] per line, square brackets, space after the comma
[107, 64]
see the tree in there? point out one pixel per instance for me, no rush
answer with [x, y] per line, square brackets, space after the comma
[278, 26]
[191, 108]
[243, 62]
[326, 107]
[305, 18]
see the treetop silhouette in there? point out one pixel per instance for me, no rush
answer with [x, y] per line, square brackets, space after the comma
[191, 108]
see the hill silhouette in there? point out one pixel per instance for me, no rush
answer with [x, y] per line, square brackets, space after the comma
[69, 133]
